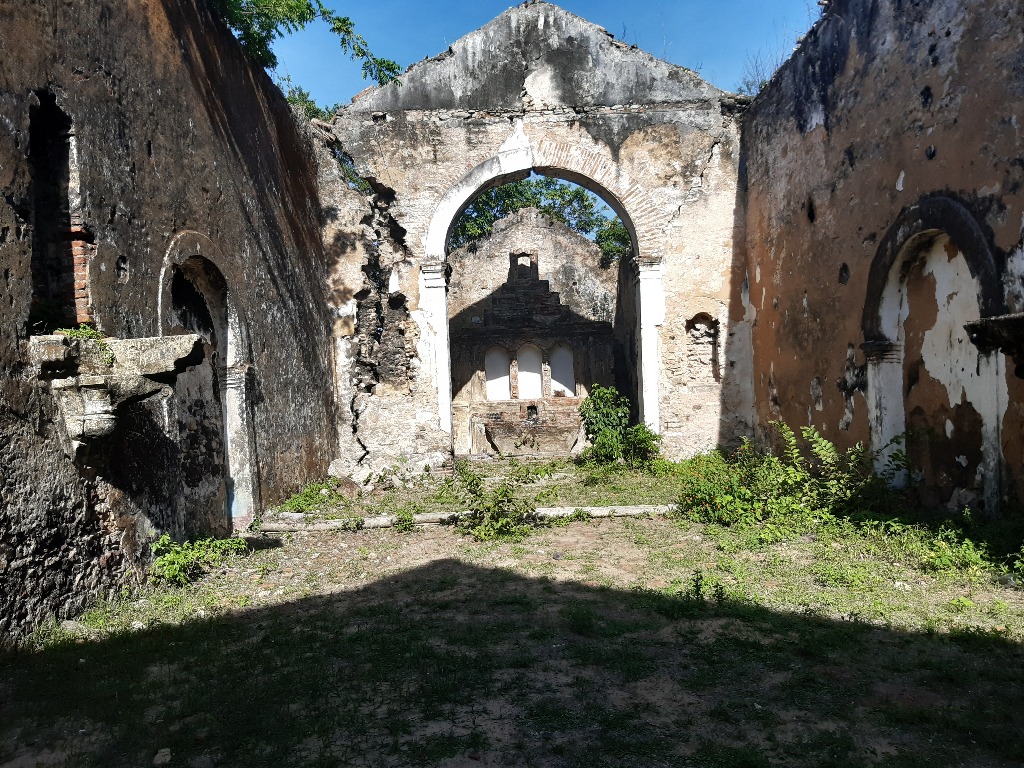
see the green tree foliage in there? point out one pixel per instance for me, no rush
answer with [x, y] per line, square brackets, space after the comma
[303, 100]
[568, 203]
[257, 23]
[614, 240]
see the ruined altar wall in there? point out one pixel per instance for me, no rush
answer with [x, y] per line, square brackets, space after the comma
[568, 261]
[539, 87]
[885, 102]
[176, 132]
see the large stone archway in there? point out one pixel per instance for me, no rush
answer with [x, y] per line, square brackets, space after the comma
[541, 90]
[518, 157]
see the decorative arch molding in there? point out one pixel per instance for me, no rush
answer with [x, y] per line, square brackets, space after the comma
[183, 245]
[599, 173]
[189, 250]
[915, 228]
[593, 170]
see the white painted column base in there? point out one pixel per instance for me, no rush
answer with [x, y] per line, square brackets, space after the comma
[651, 314]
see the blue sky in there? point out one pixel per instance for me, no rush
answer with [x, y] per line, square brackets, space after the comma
[714, 37]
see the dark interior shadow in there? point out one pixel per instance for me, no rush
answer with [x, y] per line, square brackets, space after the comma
[454, 664]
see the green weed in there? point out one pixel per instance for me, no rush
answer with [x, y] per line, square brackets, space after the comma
[315, 497]
[85, 332]
[183, 563]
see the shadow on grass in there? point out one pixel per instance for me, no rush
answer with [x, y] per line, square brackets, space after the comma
[452, 664]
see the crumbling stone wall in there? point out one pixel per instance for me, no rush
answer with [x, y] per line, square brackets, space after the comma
[885, 206]
[176, 148]
[540, 89]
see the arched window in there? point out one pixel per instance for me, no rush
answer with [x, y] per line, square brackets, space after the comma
[531, 385]
[496, 366]
[563, 377]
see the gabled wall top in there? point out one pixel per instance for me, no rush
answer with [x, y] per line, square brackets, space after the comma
[537, 56]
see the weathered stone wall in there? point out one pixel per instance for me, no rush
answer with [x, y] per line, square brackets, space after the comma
[885, 204]
[541, 89]
[180, 154]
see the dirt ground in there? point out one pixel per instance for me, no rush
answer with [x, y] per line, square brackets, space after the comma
[622, 642]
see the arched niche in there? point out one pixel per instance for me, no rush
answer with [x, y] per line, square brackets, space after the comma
[195, 297]
[933, 274]
[497, 363]
[530, 363]
[563, 372]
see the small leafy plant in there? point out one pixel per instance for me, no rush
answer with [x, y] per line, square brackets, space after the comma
[492, 514]
[315, 497]
[499, 514]
[85, 332]
[182, 563]
[405, 519]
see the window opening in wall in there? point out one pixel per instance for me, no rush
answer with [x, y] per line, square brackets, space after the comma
[531, 412]
[53, 265]
[531, 381]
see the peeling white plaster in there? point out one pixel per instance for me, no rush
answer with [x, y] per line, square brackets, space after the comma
[947, 352]
[947, 355]
[816, 394]
[541, 88]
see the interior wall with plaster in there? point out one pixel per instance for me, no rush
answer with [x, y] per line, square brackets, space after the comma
[97, 211]
[883, 110]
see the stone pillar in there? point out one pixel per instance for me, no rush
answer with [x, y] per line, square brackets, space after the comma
[886, 417]
[434, 304]
[651, 314]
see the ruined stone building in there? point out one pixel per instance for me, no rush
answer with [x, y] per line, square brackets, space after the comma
[844, 251]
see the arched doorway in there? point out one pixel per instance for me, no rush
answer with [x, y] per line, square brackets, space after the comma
[540, 267]
[213, 409]
[641, 296]
[927, 381]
